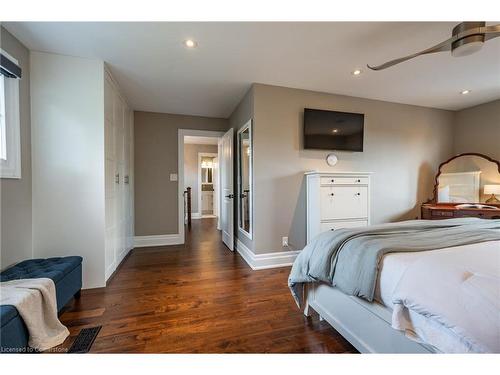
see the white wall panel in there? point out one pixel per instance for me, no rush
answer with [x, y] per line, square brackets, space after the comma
[67, 107]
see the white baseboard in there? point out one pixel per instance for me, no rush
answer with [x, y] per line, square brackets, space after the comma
[110, 270]
[113, 266]
[158, 240]
[197, 215]
[267, 260]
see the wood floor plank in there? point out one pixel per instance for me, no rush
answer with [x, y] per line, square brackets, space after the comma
[198, 298]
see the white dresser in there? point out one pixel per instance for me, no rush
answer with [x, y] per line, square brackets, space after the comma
[336, 200]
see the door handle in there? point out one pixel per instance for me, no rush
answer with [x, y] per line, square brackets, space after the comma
[230, 196]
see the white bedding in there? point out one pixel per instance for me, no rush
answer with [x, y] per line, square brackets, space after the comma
[450, 298]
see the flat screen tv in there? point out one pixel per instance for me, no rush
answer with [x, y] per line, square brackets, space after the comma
[331, 130]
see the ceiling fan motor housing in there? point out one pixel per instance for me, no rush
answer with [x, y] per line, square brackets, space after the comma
[470, 44]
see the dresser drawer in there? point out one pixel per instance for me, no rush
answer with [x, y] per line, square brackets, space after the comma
[343, 202]
[325, 181]
[342, 224]
[445, 214]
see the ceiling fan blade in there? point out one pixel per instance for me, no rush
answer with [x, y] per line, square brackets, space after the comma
[441, 47]
[491, 32]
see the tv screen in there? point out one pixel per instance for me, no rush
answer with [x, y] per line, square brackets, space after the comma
[331, 130]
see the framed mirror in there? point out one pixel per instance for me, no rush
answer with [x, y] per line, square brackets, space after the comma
[245, 187]
[468, 178]
[207, 170]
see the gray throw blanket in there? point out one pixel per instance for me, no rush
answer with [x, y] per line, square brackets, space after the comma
[349, 258]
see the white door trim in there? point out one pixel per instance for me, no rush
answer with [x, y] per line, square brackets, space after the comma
[180, 170]
[248, 126]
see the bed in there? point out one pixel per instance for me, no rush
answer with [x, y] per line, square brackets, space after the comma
[440, 299]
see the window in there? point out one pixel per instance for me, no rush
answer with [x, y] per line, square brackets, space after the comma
[10, 141]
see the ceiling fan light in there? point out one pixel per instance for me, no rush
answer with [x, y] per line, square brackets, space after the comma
[467, 49]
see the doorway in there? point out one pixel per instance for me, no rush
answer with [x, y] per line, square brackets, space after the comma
[200, 173]
[201, 170]
[208, 186]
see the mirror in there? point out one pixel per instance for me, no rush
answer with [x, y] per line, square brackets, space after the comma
[245, 179]
[207, 165]
[468, 178]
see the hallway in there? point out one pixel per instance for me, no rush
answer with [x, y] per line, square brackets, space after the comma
[198, 298]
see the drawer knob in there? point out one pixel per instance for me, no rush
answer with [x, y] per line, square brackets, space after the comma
[332, 194]
[333, 180]
[358, 181]
[332, 228]
[358, 194]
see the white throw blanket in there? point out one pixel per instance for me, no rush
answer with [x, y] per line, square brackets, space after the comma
[457, 288]
[35, 300]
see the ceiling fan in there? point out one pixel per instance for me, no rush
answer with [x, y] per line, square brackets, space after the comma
[467, 38]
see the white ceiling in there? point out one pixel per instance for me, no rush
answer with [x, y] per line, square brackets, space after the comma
[157, 73]
[195, 140]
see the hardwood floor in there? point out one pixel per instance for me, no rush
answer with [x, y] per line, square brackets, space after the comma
[198, 298]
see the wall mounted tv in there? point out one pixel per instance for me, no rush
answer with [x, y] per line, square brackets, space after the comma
[331, 130]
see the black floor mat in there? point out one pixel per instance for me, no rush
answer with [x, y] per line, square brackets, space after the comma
[84, 340]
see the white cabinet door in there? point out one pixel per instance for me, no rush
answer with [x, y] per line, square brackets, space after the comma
[110, 168]
[108, 100]
[343, 202]
[119, 212]
[126, 181]
[130, 185]
[119, 122]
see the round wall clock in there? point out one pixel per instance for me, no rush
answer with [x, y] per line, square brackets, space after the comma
[331, 160]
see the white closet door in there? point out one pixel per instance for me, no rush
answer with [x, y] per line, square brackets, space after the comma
[126, 180]
[119, 212]
[119, 137]
[130, 228]
[227, 201]
[110, 184]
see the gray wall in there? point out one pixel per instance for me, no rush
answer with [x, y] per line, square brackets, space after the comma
[243, 112]
[16, 238]
[191, 170]
[155, 136]
[403, 146]
[477, 129]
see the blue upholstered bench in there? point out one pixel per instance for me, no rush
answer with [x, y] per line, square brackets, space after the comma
[66, 273]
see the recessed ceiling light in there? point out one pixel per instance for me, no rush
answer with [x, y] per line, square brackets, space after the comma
[190, 43]
[356, 72]
[335, 130]
[465, 92]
